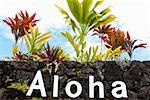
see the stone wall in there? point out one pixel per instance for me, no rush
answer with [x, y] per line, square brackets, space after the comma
[135, 74]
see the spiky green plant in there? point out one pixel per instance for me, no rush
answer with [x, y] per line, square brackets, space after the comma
[35, 40]
[20, 86]
[82, 19]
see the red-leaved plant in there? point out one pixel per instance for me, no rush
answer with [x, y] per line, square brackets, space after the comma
[131, 45]
[112, 38]
[19, 56]
[19, 23]
[51, 56]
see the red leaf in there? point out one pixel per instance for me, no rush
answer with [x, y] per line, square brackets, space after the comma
[108, 46]
[27, 15]
[128, 36]
[33, 16]
[7, 22]
[12, 22]
[143, 45]
[21, 14]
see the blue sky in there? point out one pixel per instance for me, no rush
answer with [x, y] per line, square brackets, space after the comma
[133, 16]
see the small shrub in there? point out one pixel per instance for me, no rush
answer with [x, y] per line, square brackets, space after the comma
[19, 23]
[35, 40]
[21, 87]
[50, 56]
[114, 38]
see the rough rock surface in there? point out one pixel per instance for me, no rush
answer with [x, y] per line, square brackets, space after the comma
[135, 74]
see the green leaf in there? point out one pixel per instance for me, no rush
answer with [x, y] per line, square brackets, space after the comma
[107, 20]
[74, 8]
[86, 7]
[35, 41]
[43, 36]
[105, 11]
[70, 39]
[95, 50]
[27, 43]
[84, 45]
[63, 11]
[97, 4]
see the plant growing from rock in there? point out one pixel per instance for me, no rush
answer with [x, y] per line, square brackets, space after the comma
[19, 56]
[82, 19]
[21, 87]
[50, 56]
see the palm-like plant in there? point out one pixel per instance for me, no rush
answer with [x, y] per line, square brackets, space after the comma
[82, 19]
[35, 40]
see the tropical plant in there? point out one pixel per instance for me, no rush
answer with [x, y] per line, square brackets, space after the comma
[132, 45]
[19, 23]
[19, 56]
[35, 40]
[21, 87]
[82, 19]
[110, 54]
[51, 55]
[90, 55]
[112, 37]
[63, 55]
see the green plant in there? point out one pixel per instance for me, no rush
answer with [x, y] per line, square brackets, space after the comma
[63, 55]
[110, 54]
[82, 19]
[35, 40]
[21, 87]
[8, 79]
[90, 55]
